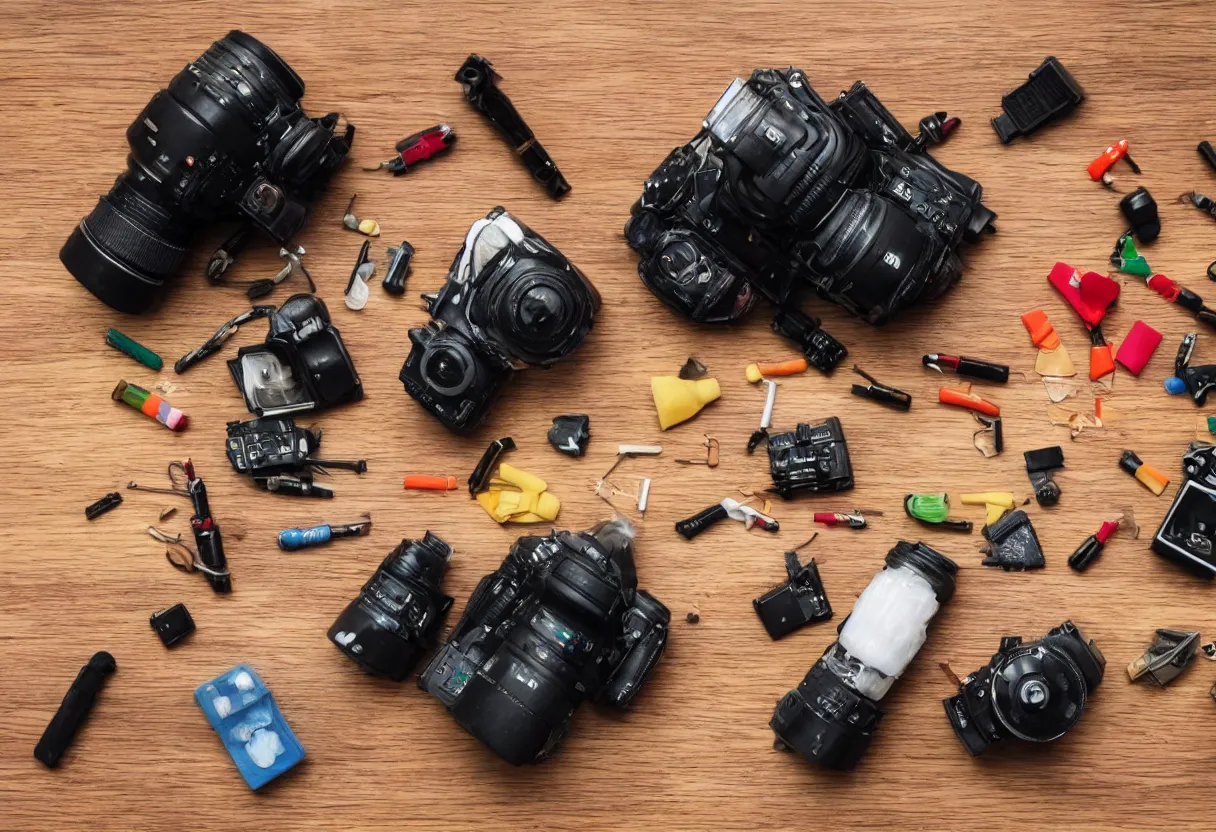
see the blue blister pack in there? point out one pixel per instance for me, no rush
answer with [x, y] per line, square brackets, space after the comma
[244, 714]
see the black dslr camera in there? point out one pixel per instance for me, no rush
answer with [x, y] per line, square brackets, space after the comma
[226, 140]
[561, 620]
[511, 301]
[780, 187]
[398, 611]
[303, 364]
[1031, 691]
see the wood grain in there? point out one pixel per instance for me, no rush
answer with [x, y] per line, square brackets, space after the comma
[609, 89]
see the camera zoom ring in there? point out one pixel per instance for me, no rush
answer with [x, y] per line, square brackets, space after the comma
[135, 246]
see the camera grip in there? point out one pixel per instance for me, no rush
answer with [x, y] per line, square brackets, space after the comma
[698, 523]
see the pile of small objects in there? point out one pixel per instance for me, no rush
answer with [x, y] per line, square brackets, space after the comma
[781, 190]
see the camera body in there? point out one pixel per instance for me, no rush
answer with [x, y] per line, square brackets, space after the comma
[1031, 691]
[511, 301]
[1187, 533]
[226, 140]
[399, 610]
[270, 447]
[782, 188]
[302, 365]
[560, 621]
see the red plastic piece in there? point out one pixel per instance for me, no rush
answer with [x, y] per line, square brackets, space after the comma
[1090, 294]
[1106, 159]
[1107, 531]
[1138, 347]
[1165, 287]
[425, 145]
[1101, 362]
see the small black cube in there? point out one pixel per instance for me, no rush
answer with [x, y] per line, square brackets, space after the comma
[173, 624]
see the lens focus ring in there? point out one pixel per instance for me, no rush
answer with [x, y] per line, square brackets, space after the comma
[133, 245]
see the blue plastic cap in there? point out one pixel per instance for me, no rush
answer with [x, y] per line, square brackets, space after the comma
[1175, 386]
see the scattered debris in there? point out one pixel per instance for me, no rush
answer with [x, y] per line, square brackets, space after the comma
[1171, 652]
[74, 710]
[962, 396]
[133, 349]
[172, 624]
[479, 479]
[1059, 389]
[150, 404]
[357, 291]
[1048, 94]
[995, 504]
[212, 345]
[854, 520]
[1099, 169]
[210, 546]
[678, 400]
[292, 540]
[399, 258]
[643, 496]
[1197, 381]
[278, 456]
[1127, 259]
[693, 618]
[822, 351]
[416, 148]
[989, 440]
[1092, 547]
[1033, 691]
[1013, 543]
[758, 372]
[729, 507]
[513, 495]
[813, 458]
[1149, 477]
[368, 228]
[964, 366]
[1138, 347]
[766, 417]
[166, 513]
[1140, 210]
[480, 82]
[934, 510]
[1204, 203]
[800, 601]
[109, 502]
[879, 392]
[712, 450]
[570, 434]
[1039, 466]
[1053, 360]
[693, 369]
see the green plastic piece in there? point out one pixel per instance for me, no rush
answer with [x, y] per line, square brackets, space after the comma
[928, 508]
[1212, 424]
[134, 349]
[1132, 261]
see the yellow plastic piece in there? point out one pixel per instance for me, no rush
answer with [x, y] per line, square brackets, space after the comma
[678, 400]
[995, 503]
[371, 228]
[1056, 363]
[515, 496]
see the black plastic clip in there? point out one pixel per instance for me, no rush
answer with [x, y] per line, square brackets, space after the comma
[1049, 93]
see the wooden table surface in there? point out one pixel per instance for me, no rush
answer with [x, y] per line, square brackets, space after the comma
[609, 90]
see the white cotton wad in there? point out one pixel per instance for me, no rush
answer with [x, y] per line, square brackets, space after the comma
[263, 747]
[888, 626]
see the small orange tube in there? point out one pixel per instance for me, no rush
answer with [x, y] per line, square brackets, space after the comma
[1152, 479]
[792, 367]
[948, 395]
[422, 482]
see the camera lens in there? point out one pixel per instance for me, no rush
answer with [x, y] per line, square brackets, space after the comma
[189, 148]
[541, 312]
[126, 248]
[447, 367]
